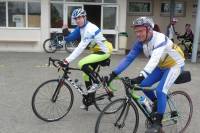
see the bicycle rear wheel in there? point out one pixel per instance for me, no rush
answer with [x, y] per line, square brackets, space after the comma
[49, 46]
[124, 120]
[103, 95]
[102, 99]
[47, 109]
[179, 111]
[69, 47]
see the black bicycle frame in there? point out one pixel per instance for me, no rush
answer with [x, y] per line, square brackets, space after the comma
[69, 80]
[130, 99]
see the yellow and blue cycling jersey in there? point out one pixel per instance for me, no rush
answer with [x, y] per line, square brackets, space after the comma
[90, 36]
[161, 53]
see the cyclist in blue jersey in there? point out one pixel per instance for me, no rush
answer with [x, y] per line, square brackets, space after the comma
[92, 37]
[166, 61]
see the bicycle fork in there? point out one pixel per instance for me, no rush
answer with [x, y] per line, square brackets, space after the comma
[120, 122]
[57, 91]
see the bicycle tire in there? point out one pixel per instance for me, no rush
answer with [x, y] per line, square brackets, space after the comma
[61, 107]
[101, 99]
[179, 98]
[124, 112]
[69, 47]
[48, 46]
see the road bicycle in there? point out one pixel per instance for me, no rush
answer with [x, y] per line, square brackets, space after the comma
[125, 118]
[53, 99]
[56, 42]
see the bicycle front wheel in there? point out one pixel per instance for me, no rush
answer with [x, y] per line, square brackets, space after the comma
[124, 120]
[48, 109]
[49, 46]
[179, 110]
[69, 47]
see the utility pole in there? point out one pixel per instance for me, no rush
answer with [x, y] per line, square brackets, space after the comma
[196, 35]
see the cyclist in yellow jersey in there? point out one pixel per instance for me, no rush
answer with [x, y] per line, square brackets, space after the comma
[166, 61]
[92, 37]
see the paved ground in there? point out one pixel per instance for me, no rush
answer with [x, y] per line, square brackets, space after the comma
[21, 73]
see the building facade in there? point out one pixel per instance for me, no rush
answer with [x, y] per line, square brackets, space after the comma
[25, 24]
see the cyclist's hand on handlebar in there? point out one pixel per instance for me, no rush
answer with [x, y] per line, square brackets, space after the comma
[111, 76]
[63, 63]
[137, 80]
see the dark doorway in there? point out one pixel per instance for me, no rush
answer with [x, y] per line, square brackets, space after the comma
[93, 14]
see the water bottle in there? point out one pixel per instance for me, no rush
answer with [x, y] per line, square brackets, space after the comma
[145, 103]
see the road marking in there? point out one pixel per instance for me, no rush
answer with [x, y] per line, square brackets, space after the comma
[44, 66]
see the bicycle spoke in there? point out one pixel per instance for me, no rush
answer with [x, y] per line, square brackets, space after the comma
[181, 106]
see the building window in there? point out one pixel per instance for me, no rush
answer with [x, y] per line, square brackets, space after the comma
[138, 7]
[194, 8]
[34, 13]
[23, 14]
[96, 1]
[109, 17]
[16, 14]
[56, 15]
[3, 14]
[179, 8]
[110, 1]
[99, 1]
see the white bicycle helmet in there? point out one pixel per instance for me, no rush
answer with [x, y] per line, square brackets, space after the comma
[143, 21]
[78, 12]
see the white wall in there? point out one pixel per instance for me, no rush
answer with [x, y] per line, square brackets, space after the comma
[21, 40]
[45, 21]
[122, 23]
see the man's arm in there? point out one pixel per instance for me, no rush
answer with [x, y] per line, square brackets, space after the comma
[75, 35]
[80, 48]
[125, 62]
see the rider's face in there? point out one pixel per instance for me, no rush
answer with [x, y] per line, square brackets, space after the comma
[80, 21]
[141, 33]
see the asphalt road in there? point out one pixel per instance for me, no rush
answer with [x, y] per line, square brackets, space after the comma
[22, 73]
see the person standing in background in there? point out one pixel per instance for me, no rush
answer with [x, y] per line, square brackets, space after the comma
[171, 30]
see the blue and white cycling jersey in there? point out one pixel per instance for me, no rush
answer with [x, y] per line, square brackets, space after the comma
[160, 50]
[90, 35]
